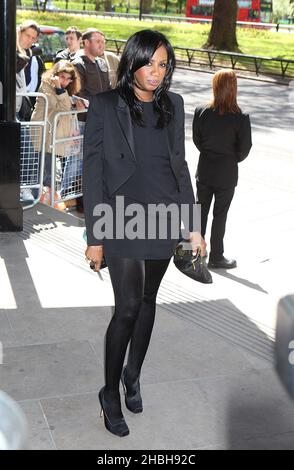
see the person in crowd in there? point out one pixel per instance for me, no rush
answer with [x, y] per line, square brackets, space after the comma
[94, 74]
[222, 134]
[73, 41]
[134, 148]
[28, 151]
[22, 61]
[58, 84]
[94, 77]
[107, 60]
[28, 33]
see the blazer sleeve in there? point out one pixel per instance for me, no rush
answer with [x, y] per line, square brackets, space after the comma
[185, 185]
[196, 128]
[244, 142]
[93, 166]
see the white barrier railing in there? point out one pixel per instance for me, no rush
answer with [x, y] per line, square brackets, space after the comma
[32, 152]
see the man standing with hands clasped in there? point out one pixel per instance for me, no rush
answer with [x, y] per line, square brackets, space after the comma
[93, 70]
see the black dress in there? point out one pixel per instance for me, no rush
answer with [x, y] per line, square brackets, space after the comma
[152, 183]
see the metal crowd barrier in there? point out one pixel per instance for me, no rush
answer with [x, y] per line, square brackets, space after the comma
[32, 153]
[198, 59]
[266, 66]
[67, 160]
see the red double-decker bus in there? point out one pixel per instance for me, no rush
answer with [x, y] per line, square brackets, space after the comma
[249, 10]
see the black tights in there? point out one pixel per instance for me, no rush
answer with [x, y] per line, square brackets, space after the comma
[135, 284]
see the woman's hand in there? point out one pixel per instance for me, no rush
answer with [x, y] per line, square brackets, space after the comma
[197, 241]
[55, 81]
[95, 254]
[80, 105]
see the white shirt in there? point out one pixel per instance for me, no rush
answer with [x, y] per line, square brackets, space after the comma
[32, 86]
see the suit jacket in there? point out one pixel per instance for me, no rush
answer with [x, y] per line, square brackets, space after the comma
[109, 152]
[223, 141]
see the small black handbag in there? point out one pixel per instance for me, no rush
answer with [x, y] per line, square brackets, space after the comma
[193, 266]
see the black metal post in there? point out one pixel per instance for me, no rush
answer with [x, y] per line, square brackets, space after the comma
[10, 209]
[140, 10]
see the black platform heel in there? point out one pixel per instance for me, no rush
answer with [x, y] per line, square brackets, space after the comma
[132, 392]
[116, 426]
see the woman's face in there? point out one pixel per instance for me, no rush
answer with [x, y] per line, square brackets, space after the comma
[149, 77]
[65, 79]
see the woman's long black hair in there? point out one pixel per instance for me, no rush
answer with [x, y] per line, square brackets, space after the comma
[138, 51]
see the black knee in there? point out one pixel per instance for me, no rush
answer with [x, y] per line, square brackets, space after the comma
[128, 309]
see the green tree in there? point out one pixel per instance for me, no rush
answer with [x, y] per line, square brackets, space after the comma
[282, 9]
[97, 5]
[107, 5]
[181, 5]
[147, 6]
[222, 34]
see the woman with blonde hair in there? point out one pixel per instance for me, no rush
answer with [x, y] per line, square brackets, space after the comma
[222, 134]
[58, 84]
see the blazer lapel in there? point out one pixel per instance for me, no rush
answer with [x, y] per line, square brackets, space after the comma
[125, 121]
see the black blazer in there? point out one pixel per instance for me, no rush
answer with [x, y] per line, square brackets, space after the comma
[109, 152]
[223, 141]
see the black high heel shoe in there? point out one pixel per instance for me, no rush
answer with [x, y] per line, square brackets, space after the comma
[116, 426]
[133, 397]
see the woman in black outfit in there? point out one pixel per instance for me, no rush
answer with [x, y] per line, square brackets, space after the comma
[134, 149]
[222, 133]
